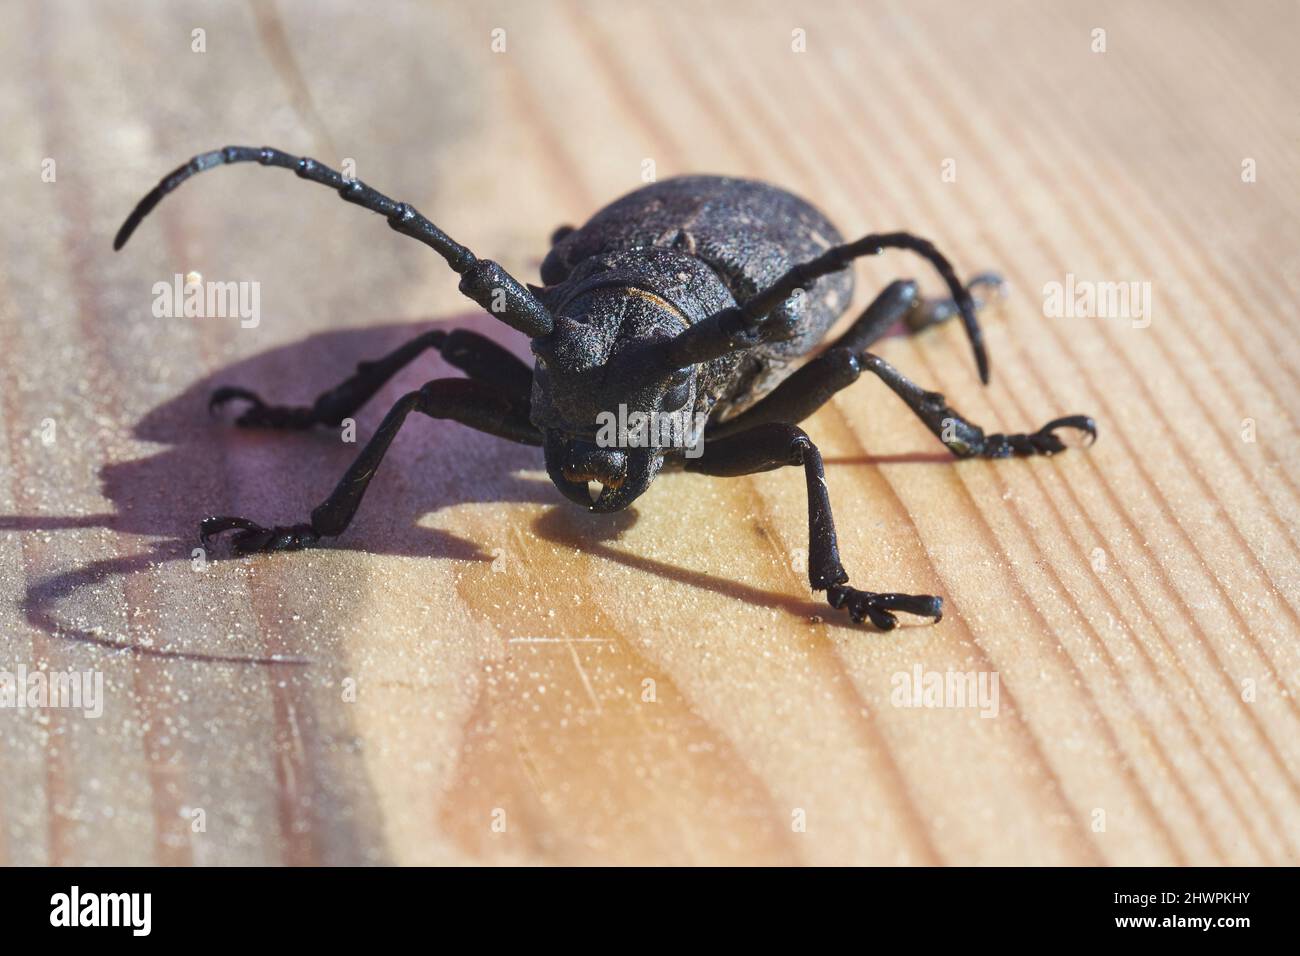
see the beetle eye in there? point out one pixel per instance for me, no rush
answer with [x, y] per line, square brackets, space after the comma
[680, 377]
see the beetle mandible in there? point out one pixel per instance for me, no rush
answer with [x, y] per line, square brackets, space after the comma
[693, 296]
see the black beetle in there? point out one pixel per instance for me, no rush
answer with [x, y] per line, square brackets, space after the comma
[691, 297]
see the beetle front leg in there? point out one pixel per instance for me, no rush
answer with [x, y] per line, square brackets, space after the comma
[776, 445]
[812, 385]
[471, 403]
[476, 355]
[963, 438]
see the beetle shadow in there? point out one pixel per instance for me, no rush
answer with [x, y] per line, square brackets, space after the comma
[206, 465]
[593, 535]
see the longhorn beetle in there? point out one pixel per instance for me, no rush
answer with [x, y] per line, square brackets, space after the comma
[695, 294]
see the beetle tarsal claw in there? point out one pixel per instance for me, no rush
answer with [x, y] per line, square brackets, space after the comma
[1083, 423]
[251, 537]
[1045, 441]
[880, 607]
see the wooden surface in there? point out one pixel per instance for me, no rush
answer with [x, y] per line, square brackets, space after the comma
[1138, 599]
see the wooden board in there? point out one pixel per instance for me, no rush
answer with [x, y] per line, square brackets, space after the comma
[479, 672]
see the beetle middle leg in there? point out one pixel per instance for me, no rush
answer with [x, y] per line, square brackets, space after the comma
[811, 386]
[476, 355]
[473, 403]
[777, 444]
[962, 437]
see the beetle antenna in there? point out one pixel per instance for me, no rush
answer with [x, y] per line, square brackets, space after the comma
[740, 327]
[481, 279]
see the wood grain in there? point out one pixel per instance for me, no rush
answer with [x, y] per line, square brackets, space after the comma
[657, 686]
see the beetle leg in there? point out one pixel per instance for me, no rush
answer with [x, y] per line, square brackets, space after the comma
[775, 445]
[809, 387]
[471, 403]
[932, 311]
[964, 438]
[896, 303]
[476, 355]
[481, 280]
[812, 385]
[797, 397]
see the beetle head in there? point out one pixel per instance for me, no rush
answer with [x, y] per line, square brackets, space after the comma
[600, 372]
